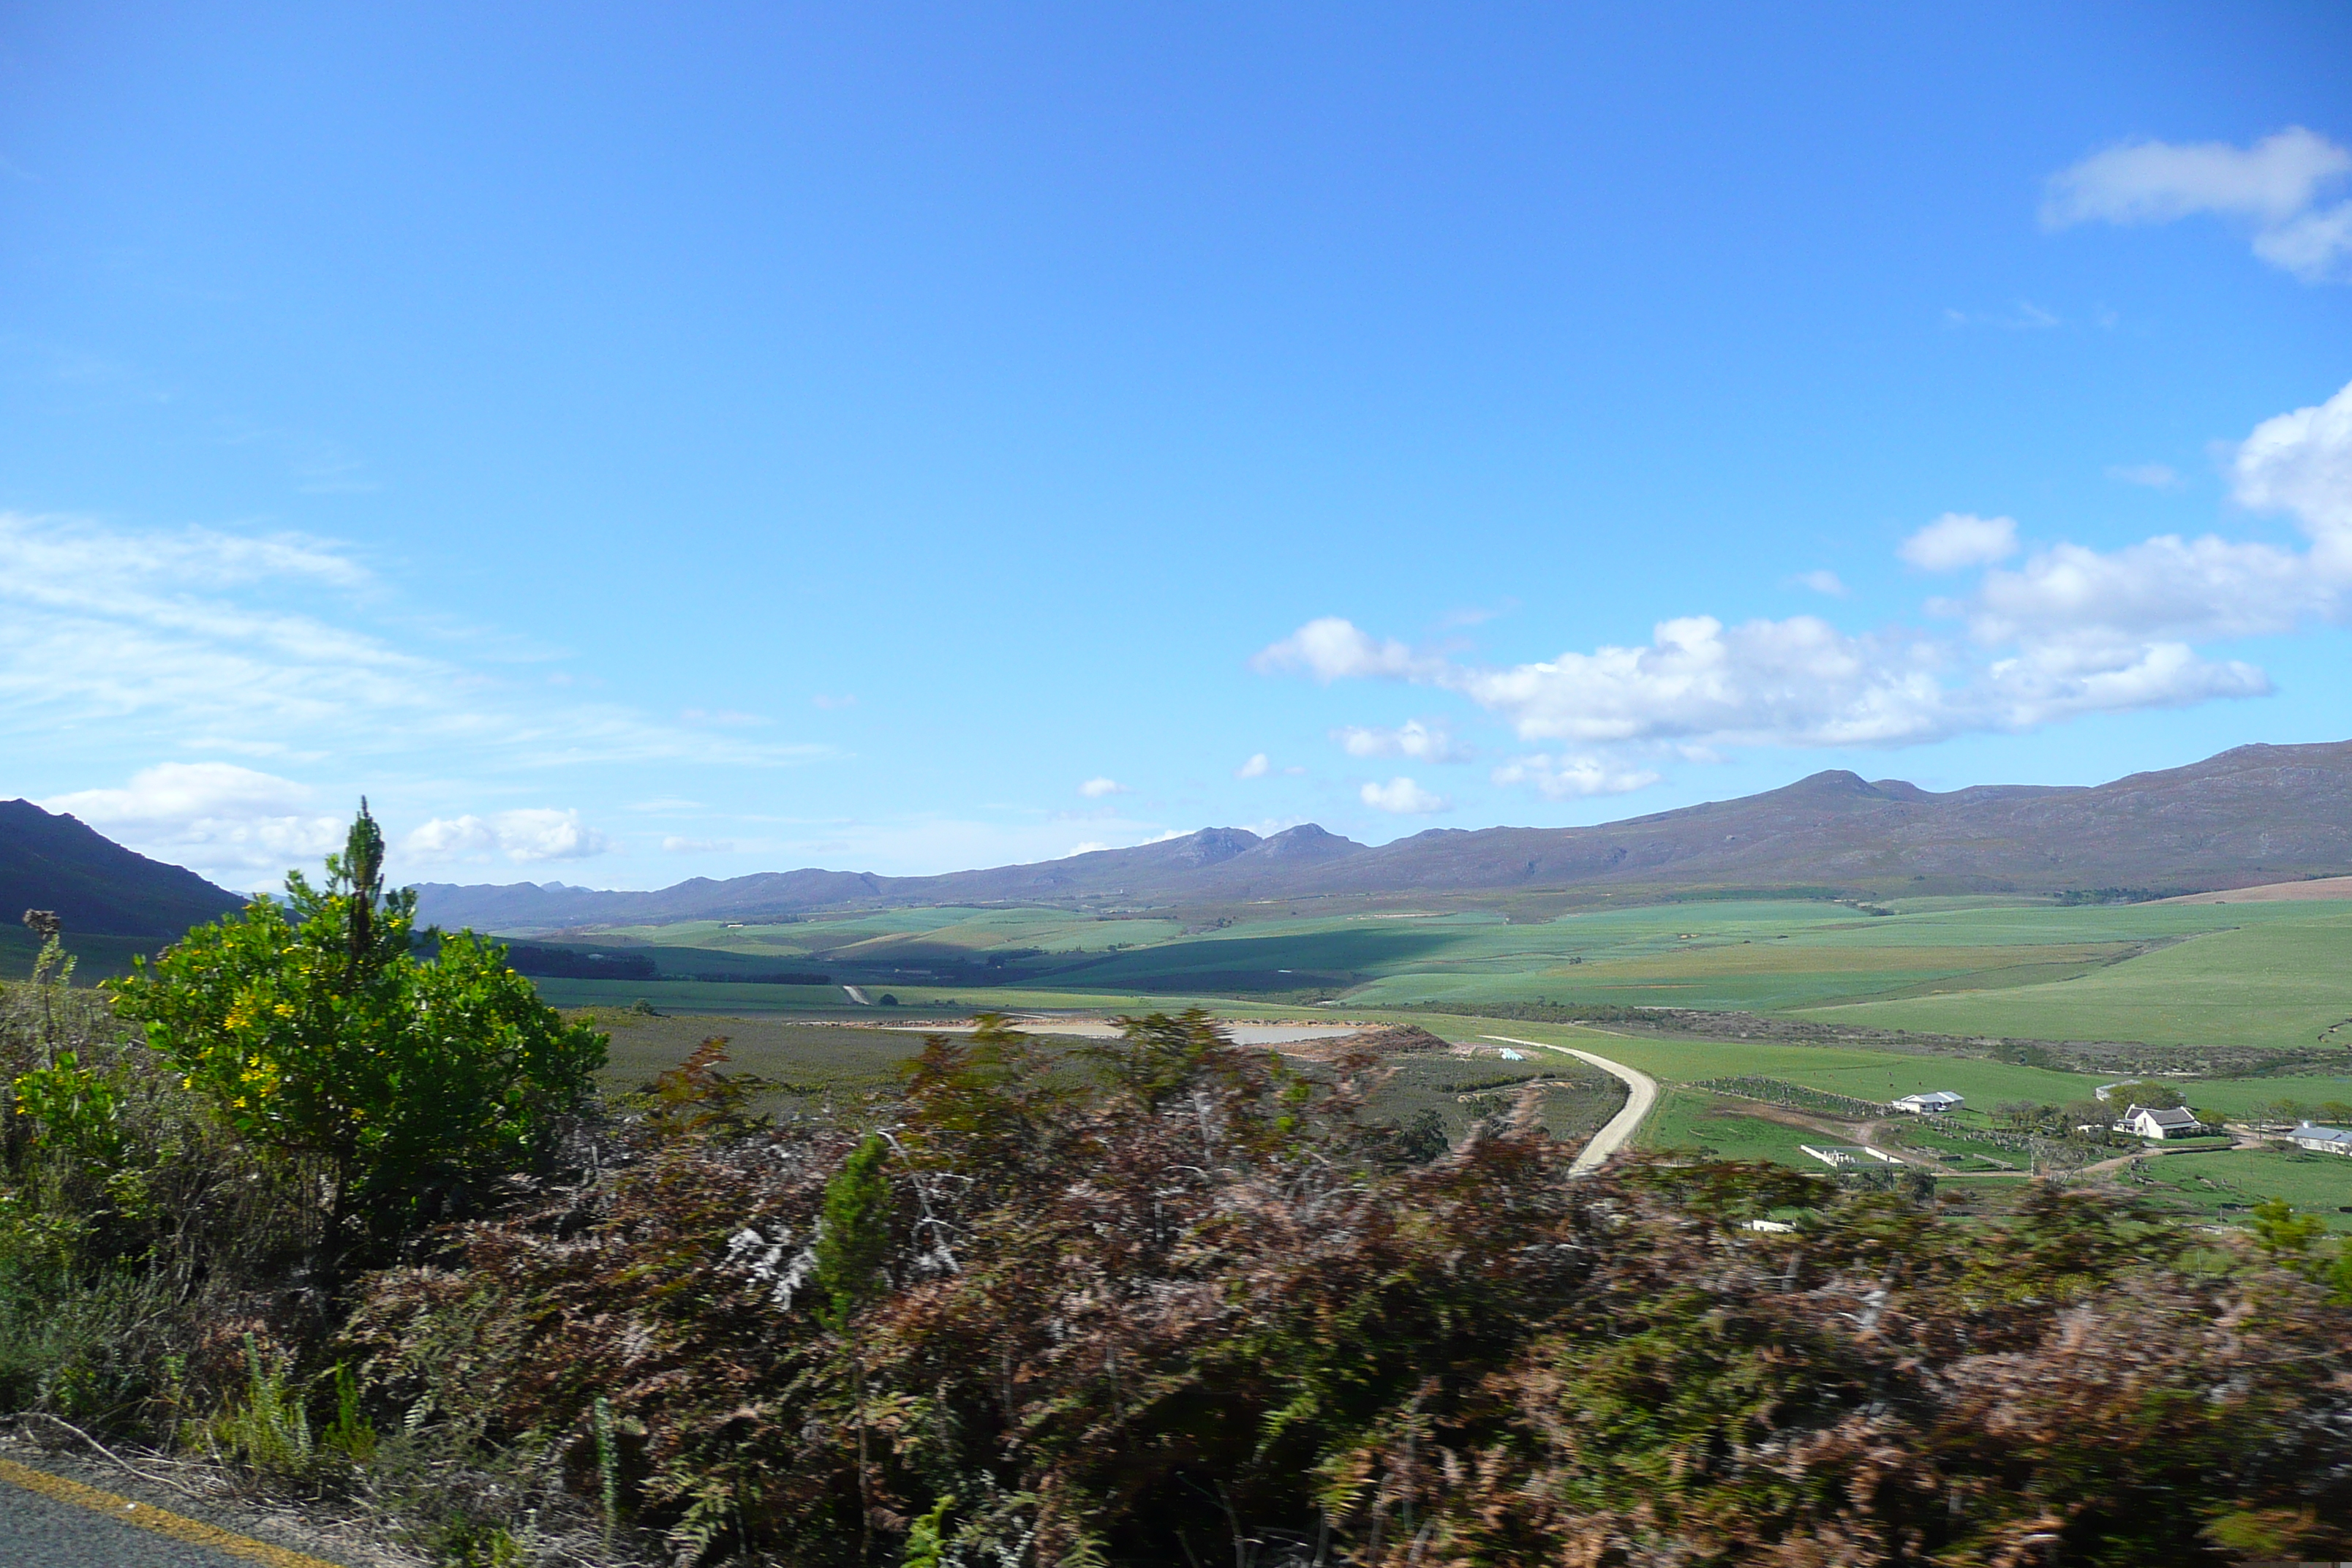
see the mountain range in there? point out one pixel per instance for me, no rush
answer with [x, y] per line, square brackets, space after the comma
[2253, 815]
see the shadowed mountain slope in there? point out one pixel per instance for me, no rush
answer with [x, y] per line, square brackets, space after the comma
[98, 887]
[2254, 814]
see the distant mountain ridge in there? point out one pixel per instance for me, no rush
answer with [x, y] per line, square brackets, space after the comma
[54, 861]
[2253, 815]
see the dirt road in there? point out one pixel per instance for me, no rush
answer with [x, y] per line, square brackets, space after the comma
[1641, 1098]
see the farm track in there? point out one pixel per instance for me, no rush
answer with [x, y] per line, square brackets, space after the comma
[1641, 1098]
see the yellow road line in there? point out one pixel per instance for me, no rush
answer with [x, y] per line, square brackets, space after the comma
[163, 1521]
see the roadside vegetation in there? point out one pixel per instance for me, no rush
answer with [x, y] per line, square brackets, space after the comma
[352, 1222]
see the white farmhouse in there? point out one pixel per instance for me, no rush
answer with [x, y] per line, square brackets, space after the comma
[2321, 1140]
[1933, 1103]
[2158, 1124]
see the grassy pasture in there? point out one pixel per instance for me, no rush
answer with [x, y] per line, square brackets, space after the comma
[1693, 1119]
[2280, 978]
[2315, 1184]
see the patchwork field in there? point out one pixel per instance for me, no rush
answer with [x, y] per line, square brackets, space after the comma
[2268, 981]
[2262, 975]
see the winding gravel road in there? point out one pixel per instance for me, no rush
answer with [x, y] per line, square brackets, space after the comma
[1641, 1097]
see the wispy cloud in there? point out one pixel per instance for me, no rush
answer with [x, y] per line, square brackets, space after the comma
[1257, 767]
[1098, 789]
[1573, 778]
[2025, 315]
[2277, 188]
[1823, 582]
[203, 634]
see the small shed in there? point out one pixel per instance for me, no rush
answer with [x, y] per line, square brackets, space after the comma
[2321, 1140]
[1935, 1102]
[2157, 1123]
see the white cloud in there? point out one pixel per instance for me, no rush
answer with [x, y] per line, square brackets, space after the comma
[2314, 247]
[1573, 778]
[2164, 588]
[219, 819]
[2052, 682]
[1798, 681]
[2276, 185]
[2068, 631]
[1257, 767]
[1424, 742]
[1089, 846]
[1821, 581]
[522, 837]
[1404, 797]
[1330, 648]
[2157, 182]
[2155, 476]
[2301, 463]
[674, 845]
[1958, 540]
[1096, 788]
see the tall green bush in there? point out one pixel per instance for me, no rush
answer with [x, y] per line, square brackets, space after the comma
[315, 1031]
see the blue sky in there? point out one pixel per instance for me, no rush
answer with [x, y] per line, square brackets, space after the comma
[634, 443]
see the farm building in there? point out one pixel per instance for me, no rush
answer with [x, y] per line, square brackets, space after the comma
[2321, 1140]
[1935, 1102]
[2159, 1122]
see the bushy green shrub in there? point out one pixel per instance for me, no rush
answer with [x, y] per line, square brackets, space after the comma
[313, 1031]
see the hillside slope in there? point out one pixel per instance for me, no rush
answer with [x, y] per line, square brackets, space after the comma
[2254, 814]
[57, 862]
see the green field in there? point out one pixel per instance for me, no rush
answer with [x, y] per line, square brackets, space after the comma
[1689, 1118]
[2278, 978]
[2203, 1184]
[2258, 978]
[2260, 975]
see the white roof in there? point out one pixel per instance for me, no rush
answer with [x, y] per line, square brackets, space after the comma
[1933, 1096]
[2326, 1134]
